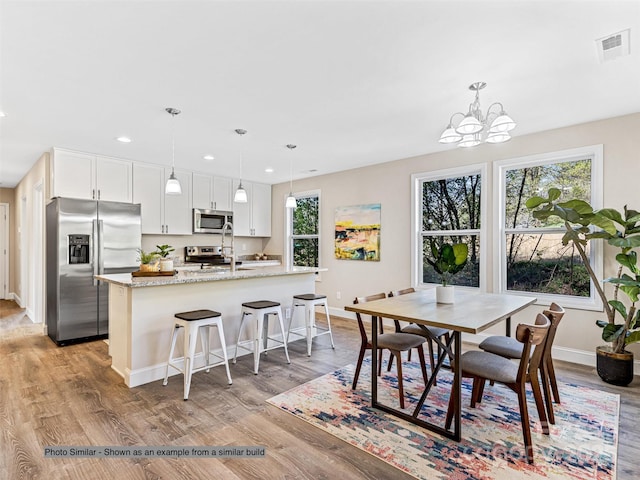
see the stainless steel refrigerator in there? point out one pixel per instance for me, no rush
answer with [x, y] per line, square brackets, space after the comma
[85, 238]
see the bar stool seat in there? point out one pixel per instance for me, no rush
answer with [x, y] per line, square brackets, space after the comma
[261, 310]
[197, 322]
[310, 301]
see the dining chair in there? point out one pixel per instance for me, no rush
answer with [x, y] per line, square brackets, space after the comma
[396, 343]
[483, 366]
[414, 329]
[509, 347]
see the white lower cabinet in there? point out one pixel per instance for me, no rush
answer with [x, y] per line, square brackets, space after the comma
[253, 219]
[162, 214]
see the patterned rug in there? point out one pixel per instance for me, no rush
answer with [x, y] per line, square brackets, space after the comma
[582, 443]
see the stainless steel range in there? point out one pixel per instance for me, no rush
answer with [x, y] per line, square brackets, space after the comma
[207, 256]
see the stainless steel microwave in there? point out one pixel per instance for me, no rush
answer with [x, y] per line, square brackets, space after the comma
[210, 221]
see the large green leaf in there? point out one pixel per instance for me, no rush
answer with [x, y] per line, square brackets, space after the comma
[628, 260]
[632, 337]
[535, 202]
[625, 242]
[619, 307]
[554, 194]
[604, 223]
[579, 206]
[611, 214]
[611, 332]
[460, 251]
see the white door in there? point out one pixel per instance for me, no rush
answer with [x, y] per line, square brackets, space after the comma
[222, 193]
[242, 212]
[202, 191]
[4, 250]
[113, 179]
[177, 208]
[73, 174]
[148, 191]
[261, 214]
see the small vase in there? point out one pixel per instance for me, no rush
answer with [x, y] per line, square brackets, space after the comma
[444, 294]
[147, 267]
[166, 265]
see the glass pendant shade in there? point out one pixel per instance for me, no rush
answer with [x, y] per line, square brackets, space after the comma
[450, 135]
[240, 195]
[469, 125]
[291, 201]
[498, 137]
[173, 185]
[470, 140]
[502, 123]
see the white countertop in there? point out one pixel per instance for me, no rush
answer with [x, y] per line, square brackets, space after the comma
[208, 275]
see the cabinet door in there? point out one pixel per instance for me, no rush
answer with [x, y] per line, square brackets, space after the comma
[242, 212]
[72, 174]
[202, 191]
[113, 179]
[261, 213]
[222, 188]
[177, 208]
[148, 190]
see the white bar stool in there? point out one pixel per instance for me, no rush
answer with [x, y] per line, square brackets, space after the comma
[310, 301]
[261, 311]
[194, 322]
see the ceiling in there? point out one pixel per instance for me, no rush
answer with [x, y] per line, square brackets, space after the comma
[351, 83]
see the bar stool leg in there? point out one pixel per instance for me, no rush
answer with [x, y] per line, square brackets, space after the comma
[293, 311]
[309, 313]
[326, 311]
[174, 337]
[235, 356]
[265, 332]
[286, 350]
[224, 351]
[204, 343]
[190, 340]
[257, 328]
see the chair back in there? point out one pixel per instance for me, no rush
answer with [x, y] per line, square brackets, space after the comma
[532, 336]
[397, 293]
[363, 331]
[554, 314]
[404, 291]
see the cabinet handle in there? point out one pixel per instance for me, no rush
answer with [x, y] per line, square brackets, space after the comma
[93, 194]
[98, 194]
[166, 229]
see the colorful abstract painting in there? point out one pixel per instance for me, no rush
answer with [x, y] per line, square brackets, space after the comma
[582, 444]
[357, 235]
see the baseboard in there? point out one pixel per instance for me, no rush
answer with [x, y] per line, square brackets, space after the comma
[581, 357]
[16, 298]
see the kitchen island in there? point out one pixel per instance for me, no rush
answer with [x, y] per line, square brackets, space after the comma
[141, 310]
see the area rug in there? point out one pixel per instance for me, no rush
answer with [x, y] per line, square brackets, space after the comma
[582, 443]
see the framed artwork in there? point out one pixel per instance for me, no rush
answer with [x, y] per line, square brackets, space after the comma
[357, 235]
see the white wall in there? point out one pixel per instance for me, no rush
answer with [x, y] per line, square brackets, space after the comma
[389, 185]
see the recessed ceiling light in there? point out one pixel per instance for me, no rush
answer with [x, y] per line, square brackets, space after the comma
[2, 114]
[124, 139]
[268, 170]
[209, 157]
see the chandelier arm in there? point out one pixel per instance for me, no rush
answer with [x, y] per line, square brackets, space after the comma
[451, 119]
[494, 104]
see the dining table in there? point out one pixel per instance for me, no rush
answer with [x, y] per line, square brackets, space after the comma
[472, 312]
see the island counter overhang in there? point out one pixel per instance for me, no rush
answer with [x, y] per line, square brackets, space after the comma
[141, 311]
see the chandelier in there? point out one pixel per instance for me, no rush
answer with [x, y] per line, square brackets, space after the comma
[473, 129]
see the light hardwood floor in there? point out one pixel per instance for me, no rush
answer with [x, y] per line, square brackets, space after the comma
[70, 396]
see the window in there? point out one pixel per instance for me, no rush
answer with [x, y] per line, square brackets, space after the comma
[448, 208]
[531, 257]
[304, 231]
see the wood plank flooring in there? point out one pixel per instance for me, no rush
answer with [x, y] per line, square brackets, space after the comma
[70, 396]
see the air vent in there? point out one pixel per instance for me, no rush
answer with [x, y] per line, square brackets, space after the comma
[613, 46]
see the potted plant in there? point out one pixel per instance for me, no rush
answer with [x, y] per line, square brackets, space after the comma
[166, 263]
[448, 259]
[148, 261]
[621, 230]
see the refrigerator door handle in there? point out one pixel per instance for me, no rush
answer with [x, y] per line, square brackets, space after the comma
[100, 247]
[94, 257]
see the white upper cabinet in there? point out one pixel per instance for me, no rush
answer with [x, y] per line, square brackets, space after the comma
[253, 219]
[162, 214]
[211, 193]
[91, 177]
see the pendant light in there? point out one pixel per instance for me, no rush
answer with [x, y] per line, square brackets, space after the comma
[241, 194]
[173, 185]
[291, 200]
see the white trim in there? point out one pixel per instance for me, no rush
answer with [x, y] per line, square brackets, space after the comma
[4, 293]
[595, 153]
[288, 251]
[416, 216]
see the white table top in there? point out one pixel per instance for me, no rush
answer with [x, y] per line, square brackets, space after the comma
[472, 312]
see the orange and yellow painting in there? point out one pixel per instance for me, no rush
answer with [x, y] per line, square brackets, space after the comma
[357, 234]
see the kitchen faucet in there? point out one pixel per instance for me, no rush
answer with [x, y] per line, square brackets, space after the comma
[232, 256]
